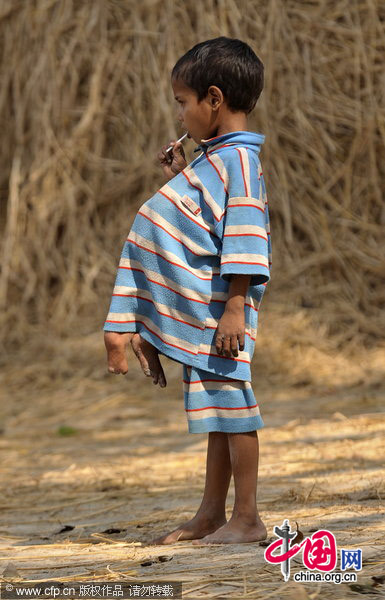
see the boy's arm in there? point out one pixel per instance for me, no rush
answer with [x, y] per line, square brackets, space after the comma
[239, 284]
[244, 226]
[231, 325]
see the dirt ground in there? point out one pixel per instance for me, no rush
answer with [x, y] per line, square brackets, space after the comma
[129, 464]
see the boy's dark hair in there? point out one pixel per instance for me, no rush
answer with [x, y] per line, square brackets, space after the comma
[228, 63]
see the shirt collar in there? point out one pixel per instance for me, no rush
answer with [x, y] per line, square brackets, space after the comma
[234, 137]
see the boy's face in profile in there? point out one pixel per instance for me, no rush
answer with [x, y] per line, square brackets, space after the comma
[198, 119]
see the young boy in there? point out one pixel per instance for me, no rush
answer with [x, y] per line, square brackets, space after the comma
[192, 275]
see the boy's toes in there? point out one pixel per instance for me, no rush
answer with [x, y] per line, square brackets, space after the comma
[157, 371]
[162, 379]
[148, 356]
[117, 361]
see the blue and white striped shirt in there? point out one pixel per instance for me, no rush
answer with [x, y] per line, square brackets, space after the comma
[208, 222]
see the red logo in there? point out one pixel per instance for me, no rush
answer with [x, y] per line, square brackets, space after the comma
[319, 550]
[316, 553]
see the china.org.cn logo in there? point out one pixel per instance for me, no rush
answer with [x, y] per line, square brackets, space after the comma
[319, 553]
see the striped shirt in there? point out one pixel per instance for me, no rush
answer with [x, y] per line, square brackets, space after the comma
[205, 224]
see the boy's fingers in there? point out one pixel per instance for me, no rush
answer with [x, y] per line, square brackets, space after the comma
[164, 153]
[241, 338]
[226, 346]
[179, 148]
[234, 345]
[163, 156]
[218, 345]
[164, 148]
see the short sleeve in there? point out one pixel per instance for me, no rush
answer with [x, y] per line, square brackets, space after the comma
[245, 227]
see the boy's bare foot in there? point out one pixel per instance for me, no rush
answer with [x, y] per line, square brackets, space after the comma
[196, 528]
[236, 531]
[116, 343]
[148, 357]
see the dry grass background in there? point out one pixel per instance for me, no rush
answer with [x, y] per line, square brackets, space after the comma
[86, 103]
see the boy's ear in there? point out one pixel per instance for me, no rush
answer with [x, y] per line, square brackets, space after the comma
[216, 96]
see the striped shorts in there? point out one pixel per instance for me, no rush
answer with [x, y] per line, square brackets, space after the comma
[216, 403]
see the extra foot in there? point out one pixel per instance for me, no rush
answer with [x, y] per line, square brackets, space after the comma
[235, 531]
[195, 529]
[116, 342]
[148, 357]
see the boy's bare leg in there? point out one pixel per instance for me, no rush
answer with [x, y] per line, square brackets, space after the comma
[245, 524]
[211, 513]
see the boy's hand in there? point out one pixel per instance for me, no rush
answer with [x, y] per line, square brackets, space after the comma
[231, 325]
[172, 162]
[116, 343]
